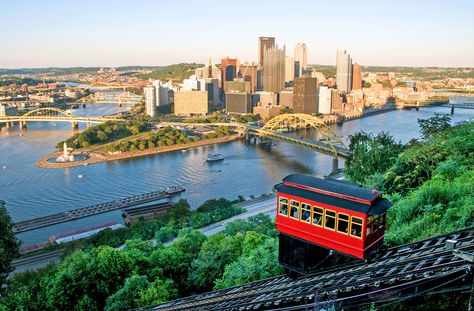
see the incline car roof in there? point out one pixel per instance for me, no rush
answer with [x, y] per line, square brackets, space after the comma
[378, 205]
[332, 185]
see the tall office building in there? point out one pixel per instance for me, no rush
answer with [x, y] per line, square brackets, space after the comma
[356, 77]
[229, 73]
[274, 70]
[289, 69]
[336, 101]
[150, 100]
[209, 71]
[305, 95]
[301, 56]
[248, 72]
[297, 69]
[225, 74]
[343, 71]
[161, 93]
[264, 43]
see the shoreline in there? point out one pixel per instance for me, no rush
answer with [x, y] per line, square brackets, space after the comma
[94, 157]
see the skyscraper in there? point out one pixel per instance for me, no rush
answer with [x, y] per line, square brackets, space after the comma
[301, 56]
[356, 77]
[289, 68]
[161, 93]
[274, 70]
[264, 43]
[248, 72]
[224, 63]
[343, 71]
[150, 100]
[336, 101]
[305, 95]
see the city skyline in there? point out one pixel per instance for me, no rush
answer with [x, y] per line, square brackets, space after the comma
[145, 33]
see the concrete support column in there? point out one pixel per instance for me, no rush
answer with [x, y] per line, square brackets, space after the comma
[335, 165]
[74, 125]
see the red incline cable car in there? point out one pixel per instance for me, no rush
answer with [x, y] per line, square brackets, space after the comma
[315, 216]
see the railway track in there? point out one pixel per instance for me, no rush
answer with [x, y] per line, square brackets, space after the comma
[400, 272]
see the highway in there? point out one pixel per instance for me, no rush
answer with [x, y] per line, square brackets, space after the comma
[253, 207]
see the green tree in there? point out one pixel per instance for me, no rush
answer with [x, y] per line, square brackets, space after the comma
[8, 244]
[259, 260]
[128, 296]
[370, 155]
[102, 136]
[158, 292]
[217, 252]
[434, 125]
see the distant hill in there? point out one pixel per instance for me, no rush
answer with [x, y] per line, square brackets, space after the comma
[426, 73]
[176, 72]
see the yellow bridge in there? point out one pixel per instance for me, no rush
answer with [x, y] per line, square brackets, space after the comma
[54, 115]
[324, 139]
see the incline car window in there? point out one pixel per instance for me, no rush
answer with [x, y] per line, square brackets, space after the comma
[294, 209]
[318, 216]
[356, 226]
[330, 221]
[283, 206]
[343, 223]
[305, 212]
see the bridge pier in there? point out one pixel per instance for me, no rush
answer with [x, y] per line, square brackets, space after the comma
[22, 124]
[75, 125]
[335, 165]
[452, 109]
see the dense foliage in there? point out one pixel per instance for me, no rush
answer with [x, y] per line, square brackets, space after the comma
[430, 181]
[8, 244]
[371, 155]
[103, 133]
[176, 72]
[144, 273]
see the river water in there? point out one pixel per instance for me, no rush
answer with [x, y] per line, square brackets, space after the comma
[31, 191]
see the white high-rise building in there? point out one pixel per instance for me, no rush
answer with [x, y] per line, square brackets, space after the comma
[324, 100]
[191, 84]
[343, 71]
[162, 93]
[301, 56]
[289, 68]
[150, 100]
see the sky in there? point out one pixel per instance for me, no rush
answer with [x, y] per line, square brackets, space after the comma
[63, 33]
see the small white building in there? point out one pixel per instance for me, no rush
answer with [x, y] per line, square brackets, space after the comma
[324, 100]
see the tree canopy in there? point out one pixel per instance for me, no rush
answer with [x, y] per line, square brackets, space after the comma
[8, 244]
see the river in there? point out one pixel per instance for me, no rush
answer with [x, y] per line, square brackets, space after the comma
[31, 191]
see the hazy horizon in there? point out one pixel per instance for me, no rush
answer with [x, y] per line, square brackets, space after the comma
[156, 33]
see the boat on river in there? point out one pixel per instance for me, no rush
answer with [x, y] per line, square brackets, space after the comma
[214, 157]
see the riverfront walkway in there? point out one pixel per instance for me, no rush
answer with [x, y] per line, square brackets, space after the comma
[49, 220]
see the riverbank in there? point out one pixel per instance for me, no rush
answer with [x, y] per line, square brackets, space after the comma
[93, 157]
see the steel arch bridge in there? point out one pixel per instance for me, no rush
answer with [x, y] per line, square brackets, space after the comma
[51, 114]
[326, 141]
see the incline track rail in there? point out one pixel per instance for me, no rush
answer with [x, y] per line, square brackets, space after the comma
[400, 272]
